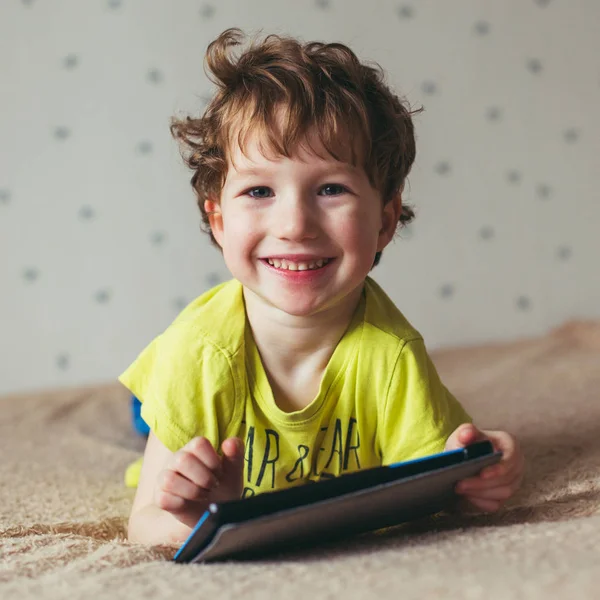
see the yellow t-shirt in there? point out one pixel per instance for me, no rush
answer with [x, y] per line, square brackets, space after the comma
[380, 399]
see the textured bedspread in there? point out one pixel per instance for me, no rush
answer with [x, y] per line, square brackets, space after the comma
[63, 506]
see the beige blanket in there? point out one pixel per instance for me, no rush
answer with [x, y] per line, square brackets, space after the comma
[63, 506]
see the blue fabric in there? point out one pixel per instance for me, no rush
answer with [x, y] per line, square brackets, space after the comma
[138, 423]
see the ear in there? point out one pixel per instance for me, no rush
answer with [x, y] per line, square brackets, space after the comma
[389, 221]
[215, 219]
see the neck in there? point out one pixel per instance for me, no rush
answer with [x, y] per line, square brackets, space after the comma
[286, 342]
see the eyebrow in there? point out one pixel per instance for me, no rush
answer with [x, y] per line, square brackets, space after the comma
[248, 171]
[251, 171]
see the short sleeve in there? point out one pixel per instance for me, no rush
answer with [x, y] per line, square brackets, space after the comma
[186, 386]
[420, 413]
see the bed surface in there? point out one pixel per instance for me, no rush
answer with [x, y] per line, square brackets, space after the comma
[63, 505]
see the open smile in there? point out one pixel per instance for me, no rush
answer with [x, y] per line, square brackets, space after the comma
[289, 265]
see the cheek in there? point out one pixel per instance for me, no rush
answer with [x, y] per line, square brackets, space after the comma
[240, 233]
[360, 232]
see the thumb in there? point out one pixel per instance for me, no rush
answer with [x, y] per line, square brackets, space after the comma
[233, 465]
[464, 435]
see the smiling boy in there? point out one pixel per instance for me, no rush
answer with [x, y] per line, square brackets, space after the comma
[300, 368]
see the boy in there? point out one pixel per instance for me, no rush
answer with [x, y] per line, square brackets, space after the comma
[300, 368]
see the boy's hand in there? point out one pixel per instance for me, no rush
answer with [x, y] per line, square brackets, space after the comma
[197, 476]
[497, 483]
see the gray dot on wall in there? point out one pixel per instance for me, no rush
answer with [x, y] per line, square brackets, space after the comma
[324, 4]
[102, 296]
[523, 303]
[179, 303]
[429, 88]
[114, 3]
[493, 113]
[514, 176]
[571, 135]
[442, 168]
[86, 213]
[4, 196]
[27, 2]
[207, 11]
[446, 290]
[543, 190]
[144, 147]
[70, 61]
[158, 237]
[534, 65]
[31, 274]
[486, 233]
[63, 361]
[407, 232]
[482, 27]
[542, 3]
[406, 11]
[155, 76]
[61, 132]
[564, 252]
[213, 279]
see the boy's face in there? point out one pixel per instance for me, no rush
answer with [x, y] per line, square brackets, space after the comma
[301, 233]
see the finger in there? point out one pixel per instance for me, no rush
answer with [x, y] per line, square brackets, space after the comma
[169, 502]
[193, 469]
[233, 464]
[232, 447]
[233, 454]
[487, 506]
[505, 468]
[470, 434]
[505, 443]
[202, 449]
[479, 483]
[172, 485]
[499, 474]
[502, 491]
[464, 435]
[461, 436]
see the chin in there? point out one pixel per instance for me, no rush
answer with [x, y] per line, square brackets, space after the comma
[296, 305]
[296, 309]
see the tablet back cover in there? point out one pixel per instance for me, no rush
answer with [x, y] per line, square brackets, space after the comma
[364, 510]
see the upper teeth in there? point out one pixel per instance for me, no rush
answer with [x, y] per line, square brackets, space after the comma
[297, 266]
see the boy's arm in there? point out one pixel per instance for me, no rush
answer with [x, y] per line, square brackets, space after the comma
[176, 488]
[149, 524]
[154, 526]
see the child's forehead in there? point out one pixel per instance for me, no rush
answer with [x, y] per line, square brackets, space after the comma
[252, 150]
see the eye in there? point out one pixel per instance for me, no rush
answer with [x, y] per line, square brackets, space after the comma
[333, 189]
[263, 192]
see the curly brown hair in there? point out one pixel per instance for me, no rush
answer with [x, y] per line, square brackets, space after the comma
[322, 88]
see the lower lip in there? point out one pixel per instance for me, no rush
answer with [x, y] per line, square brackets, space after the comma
[299, 276]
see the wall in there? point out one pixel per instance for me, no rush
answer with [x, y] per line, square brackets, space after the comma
[99, 234]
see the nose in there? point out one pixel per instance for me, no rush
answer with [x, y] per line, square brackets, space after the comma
[295, 219]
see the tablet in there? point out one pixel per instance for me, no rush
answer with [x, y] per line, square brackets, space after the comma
[352, 503]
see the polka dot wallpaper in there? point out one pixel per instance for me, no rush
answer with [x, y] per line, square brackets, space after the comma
[100, 245]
